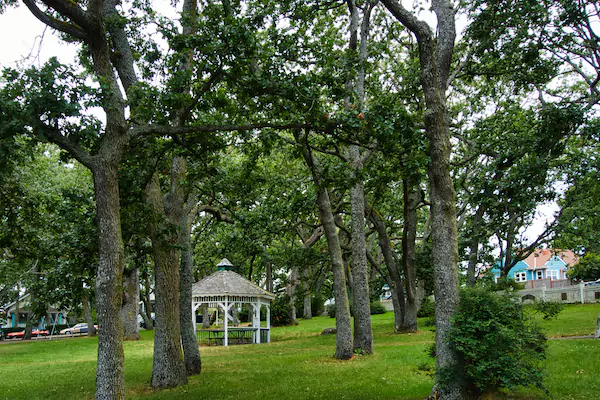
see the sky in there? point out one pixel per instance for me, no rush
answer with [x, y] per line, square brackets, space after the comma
[28, 42]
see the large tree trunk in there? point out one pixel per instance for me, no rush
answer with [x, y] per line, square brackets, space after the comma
[205, 317]
[168, 369]
[110, 382]
[131, 304]
[291, 292]
[87, 311]
[29, 321]
[91, 29]
[344, 345]
[409, 237]
[307, 314]
[269, 277]
[363, 331]
[191, 353]
[435, 57]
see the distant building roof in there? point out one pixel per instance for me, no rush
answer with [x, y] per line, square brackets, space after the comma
[540, 257]
[228, 283]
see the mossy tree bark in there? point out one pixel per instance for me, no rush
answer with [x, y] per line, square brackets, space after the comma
[191, 353]
[343, 342]
[412, 199]
[363, 331]
[131, 304]
[435, 57]
[168, 369]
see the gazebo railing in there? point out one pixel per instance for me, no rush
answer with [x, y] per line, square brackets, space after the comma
[235, 335]
[264, 335]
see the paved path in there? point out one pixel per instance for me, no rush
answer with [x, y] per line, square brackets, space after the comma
[572, 337]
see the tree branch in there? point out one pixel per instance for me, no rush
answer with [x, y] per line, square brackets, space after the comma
[217, 213]
[314, 238]
[70, 10]
[122, 55]
[445, 41]
[55, 23]
[54, 135]
[420, 28]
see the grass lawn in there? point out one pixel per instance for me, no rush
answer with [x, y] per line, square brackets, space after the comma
[298, 364]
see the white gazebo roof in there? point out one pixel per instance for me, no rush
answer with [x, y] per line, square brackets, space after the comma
[231, 284]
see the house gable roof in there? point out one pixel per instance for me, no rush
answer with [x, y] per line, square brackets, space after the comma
[543, 258]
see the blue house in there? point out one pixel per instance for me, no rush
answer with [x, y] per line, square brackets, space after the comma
[56, 316]
[542, 264]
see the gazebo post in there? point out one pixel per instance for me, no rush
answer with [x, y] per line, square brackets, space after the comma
[256, 320]
[194, 308]
[225, 321]
[268, 323]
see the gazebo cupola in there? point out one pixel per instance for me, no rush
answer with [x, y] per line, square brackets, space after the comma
[225, 265]
[226, 289]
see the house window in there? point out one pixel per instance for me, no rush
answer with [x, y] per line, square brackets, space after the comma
[563, 296]
[539, 275]
[597, 295]
[553, 275]
[520, 276]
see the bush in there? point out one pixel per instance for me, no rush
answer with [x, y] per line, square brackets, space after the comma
[548, 309]
[377, 308]
[331, 310]
[317, 304]
[244, 315]
[427, 308]
[498, 343]
[280, 311]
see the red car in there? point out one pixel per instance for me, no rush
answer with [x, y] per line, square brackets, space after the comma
[35, 332]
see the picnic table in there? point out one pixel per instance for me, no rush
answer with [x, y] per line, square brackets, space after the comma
[240, 335]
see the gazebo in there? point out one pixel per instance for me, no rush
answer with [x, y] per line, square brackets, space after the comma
[226, 289]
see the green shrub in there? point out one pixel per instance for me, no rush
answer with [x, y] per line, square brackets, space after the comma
[377, 308]
[280, 311]
[427, 308]
[498, 343]
[506, 283]
[548, 309]
[244, 315]
[317, 304]
[331, 310]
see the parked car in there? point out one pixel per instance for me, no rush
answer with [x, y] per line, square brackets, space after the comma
[79, 328]
[593, 283]
[20, 334]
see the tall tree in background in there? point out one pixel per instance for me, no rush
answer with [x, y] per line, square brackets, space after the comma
[168, 368]
[343, 340]
[435, 57]
[358, 45]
